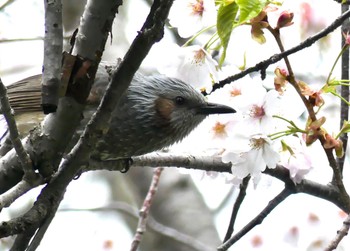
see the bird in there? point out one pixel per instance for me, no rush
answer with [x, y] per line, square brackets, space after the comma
[155, 112]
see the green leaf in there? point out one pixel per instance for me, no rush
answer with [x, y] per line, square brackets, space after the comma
[331, 86]
[227, 18]
[346, 127]
[249, 9]
[226, 21]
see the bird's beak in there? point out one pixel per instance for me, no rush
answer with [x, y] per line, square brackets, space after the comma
[212, 108]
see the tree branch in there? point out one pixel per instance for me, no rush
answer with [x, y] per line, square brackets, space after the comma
[152, 224]
[277, 57]
[48, 149]
[5, 4]
[53, 46]
[210, 163]
[14, 135]
[46, 146]
[236, 206]
[258, 219]
[344, 90]
[144, 211]
[7, 198]
[152, 32]
[340, 234]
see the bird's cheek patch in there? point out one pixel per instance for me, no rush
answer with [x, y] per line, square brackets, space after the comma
[164, 108]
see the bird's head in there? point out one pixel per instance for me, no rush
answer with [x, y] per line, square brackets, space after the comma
[179, 106]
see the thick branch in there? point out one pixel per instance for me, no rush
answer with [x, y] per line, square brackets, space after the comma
[53, 46]
[47, 146]
[152, 32]
[210, 163]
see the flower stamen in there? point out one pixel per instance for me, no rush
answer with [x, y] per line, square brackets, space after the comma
[257, 143]
[235, 92]
[219, 129]
[257, 111]
[197, 7]
[199, 57]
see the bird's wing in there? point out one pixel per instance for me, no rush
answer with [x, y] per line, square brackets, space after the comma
[25, 95]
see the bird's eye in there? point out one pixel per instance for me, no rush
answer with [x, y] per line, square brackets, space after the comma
[180, 100]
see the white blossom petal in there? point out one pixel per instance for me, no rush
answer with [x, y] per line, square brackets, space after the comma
[198, 13]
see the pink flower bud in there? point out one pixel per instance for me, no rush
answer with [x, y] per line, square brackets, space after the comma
[280, 80]
[285, 19]
[347, 38]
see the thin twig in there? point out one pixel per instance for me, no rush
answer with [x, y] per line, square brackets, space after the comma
[7, 3]
[236, 207]
[26, 39]
[277, 57]
[340, 234]
[5, 144]
[152, 224]
[39, 235]
[337, 175]
[11, 40]
[23, 156]
[144, 212]
[7, 198]
[257, 220]
[291, 76]
[344, 90]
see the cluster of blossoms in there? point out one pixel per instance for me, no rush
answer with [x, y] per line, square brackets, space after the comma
[259, 135]
[249, 143]
[244, 135]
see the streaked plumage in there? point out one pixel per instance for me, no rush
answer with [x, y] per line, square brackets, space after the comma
[149, 117]
[155, 112]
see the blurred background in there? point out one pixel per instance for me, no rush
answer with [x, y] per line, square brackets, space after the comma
[98, 211]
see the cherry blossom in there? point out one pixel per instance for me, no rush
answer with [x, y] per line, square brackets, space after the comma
[190, 16]
[257, 152]
[296, 157]
[193, 65]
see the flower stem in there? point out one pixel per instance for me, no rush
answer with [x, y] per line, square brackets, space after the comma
[189, 41]
[345, 47]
